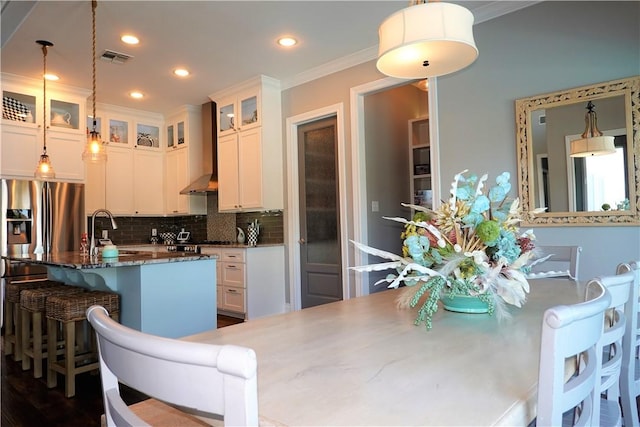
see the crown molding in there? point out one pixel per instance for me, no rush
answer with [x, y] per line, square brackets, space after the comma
[481, 14]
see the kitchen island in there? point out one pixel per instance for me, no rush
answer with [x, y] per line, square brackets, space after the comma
[166, 294]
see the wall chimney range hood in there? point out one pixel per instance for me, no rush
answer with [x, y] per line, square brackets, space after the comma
[207, 183]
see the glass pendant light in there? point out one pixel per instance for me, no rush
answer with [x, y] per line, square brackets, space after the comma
[44, 170]
[94, 150]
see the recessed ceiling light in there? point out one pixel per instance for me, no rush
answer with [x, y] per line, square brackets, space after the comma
[136, 95]
[287, 41]
[129, 39]
[51, 77]
[181, 72]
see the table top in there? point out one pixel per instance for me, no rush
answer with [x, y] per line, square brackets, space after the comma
[363, 362]
[76, 260]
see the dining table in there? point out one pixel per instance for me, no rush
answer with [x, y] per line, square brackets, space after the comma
[364, 361]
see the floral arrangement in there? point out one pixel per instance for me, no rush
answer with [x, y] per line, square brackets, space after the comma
[469, 246]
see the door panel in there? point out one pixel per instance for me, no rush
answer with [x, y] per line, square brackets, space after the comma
[321, 278]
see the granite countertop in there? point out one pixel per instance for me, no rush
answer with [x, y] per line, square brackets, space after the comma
[124, 259]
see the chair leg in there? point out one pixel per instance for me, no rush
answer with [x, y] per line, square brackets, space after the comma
[25, 317]
[37, 344]
[9, 331]
[69, 359]
[17, 356]
[52, 340]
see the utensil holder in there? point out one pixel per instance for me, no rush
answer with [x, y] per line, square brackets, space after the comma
[252, 236]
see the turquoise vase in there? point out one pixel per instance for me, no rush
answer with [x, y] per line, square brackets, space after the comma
[464, 304]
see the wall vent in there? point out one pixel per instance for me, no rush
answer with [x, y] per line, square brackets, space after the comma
[115, 57]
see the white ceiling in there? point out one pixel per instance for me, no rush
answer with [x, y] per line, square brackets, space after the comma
[222, 42]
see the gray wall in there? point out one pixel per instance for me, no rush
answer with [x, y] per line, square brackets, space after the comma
[543, 48]
[387, 158]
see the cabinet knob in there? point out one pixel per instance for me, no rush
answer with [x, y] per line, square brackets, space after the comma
[302, 241]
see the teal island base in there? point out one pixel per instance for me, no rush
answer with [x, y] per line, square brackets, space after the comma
[172, 299]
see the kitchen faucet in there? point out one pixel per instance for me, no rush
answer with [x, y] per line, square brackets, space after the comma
[93, 250]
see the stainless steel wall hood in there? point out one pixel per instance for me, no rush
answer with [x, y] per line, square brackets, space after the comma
[207, 183]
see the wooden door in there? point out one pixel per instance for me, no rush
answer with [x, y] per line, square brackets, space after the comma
[320, 258]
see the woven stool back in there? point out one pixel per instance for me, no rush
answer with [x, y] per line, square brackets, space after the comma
[13, 289]
[73, 307]
[34, 299]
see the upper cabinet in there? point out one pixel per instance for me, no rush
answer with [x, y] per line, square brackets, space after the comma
[239, 111]
[250, 146]
[183, 161]
[22, 128]
[131, 182]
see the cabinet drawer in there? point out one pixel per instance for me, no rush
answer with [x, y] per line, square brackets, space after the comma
[233, 299]
[233, 255]
[233, 274]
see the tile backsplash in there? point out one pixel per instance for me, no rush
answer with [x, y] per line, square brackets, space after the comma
[213, 226]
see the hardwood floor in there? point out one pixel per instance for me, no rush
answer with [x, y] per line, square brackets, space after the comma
[28, 402]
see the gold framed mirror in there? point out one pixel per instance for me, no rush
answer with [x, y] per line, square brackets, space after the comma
[591, 190]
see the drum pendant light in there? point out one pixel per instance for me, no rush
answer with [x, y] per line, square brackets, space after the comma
[44, 170]
[94, 150]
[592, 142]
[426, 40]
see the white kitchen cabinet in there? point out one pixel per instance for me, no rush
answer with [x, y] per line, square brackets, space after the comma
[240, 111]
[241, 172]
[250, 148]
[250, 280]
[22, 128]
[95, 187]
[183, 161]
[134, 182]
[131, 182]
[20, 148]
[148, 183]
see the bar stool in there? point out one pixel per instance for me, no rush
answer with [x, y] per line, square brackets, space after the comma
[13, 320]
[32, 308]
[66, 310]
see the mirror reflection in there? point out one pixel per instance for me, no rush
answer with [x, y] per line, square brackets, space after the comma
[570, 184]
[589, 190]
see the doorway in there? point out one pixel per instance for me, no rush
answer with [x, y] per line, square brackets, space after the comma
[319, 204]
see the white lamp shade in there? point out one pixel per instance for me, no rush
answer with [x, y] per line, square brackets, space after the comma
[440, 33]
[594, 146]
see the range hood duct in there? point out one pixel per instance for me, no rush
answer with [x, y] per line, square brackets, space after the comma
[207, 183]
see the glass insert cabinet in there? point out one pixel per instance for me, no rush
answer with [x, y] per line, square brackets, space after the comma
[239, 113]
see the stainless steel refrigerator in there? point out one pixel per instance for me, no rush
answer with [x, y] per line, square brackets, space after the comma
[39, 217]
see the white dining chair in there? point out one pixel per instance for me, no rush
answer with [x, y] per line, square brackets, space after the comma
[630, 373]
[570, 331]
[556, 261]
[606, 407]
[213, 380]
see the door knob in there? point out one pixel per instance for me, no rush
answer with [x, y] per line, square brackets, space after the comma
[302, 241]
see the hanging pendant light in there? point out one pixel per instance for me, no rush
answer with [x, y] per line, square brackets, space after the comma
[44, 170]
[426, 40]
[593, 142]
[94, 150]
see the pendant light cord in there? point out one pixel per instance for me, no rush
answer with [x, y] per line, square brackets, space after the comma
[44, 99]
[94, 5]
